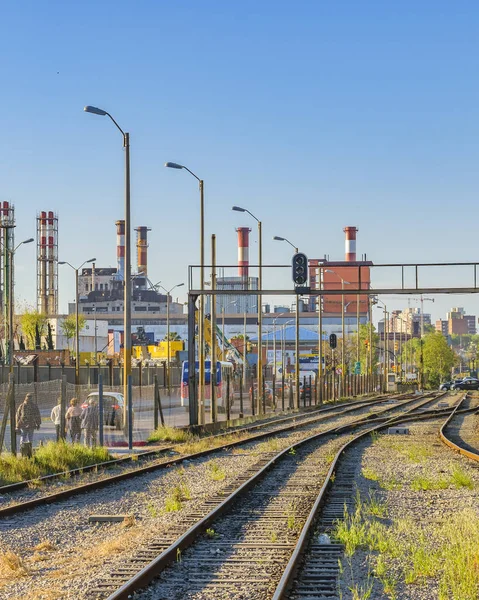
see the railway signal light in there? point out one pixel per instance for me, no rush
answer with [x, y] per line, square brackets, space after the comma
[300, 268]
[333, 341]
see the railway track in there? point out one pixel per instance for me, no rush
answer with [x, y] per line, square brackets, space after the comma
[158, 451]
[459, 432]
[246, 533]
[40, 498]
[313, 570]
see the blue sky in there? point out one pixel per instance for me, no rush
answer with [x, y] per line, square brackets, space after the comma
[314, 115]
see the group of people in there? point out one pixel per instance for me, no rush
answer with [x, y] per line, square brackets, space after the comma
[78, 419]
[28, 419]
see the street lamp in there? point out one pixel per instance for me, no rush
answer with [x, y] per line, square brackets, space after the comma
[11, 300]
[296, 362]
[343, 283]
[168, 292]
[201, 320]
[77, 328]
[127, 275]
[259, 301]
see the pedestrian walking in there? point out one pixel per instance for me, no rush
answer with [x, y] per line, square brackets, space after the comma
[73, 419]
[89, 423]
[28, 419]
[56, 417]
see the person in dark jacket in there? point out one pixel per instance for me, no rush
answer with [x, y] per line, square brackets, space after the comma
[90, 422]
[28, 419]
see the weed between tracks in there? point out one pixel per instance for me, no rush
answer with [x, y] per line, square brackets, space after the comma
[215, 472]
[406, 553]
[54, 457]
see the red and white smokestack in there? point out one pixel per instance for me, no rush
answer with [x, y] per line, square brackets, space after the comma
[243, 251]
[141, 249]
[350, 244]
[120, 249]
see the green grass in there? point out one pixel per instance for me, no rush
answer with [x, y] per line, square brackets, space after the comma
[54, 457]
[176, 496]
[422, 483]
[461, 479]
[164, 433]
[215, 472]
[412, 554]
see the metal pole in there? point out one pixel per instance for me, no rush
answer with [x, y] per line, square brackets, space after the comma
[96, 338]
[296, 350]
[222, 330]
[77, 333]
[320, 340]
[10, 312]
[201, 320]
[213, 331]
[100, 407]
[130, 414]
[342, 338]
[168, 353]
[385, 352]
[192, 388]
[260, 319]
[358, 337]
[370, 335]
[127, 290]
[421, 376]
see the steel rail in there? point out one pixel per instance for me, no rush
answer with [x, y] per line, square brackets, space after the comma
[289, 573]
[14, 487]
[448, 442]
[95, 485]
[169, 555]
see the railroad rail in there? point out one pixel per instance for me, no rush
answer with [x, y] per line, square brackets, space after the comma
[322, 415]
[154, 453]
[449, 440]
[315, 576]
[149, 562]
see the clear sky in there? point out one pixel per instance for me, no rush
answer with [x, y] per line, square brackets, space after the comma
[313, 114]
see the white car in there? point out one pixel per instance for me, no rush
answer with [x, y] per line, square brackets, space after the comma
[113, 407]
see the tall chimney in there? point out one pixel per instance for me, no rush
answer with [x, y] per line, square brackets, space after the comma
[141, 249]
[243, 251]
[120, 249]
[350, 244]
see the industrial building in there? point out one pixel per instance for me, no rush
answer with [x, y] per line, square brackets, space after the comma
[237, 304]
[101, 292]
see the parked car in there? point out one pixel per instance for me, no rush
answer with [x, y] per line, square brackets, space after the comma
[446, 385]
[113, 407]
[470, 383]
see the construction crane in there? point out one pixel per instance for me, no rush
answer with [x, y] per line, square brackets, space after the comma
[231, 352]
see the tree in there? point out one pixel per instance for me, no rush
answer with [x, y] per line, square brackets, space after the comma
[438, 358]
[49, 337]
[68, 326]
[33, 323]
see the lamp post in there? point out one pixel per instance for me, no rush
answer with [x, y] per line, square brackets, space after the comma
[201, 320]
[168, 355]
[260, 315]
[296, 362]
[127, 275]
[343, 283]
[11, 300]
[77, 328]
